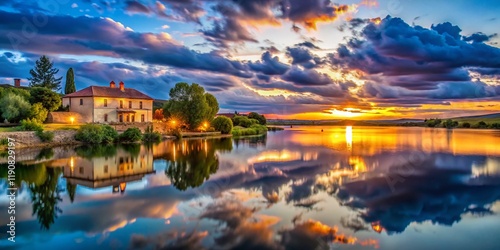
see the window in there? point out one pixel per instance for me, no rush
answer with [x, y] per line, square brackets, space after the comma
[105, 169]
[105, 102]
[128, 118]
[129, 104]
[133, 118]
[81, 170]
[142, 118]
[81, 101]
[121, 104]
[120, 118]
[140, 105]
[106, 118]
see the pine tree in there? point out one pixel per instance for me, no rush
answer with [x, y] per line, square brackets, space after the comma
[43, 75]
[70, 82]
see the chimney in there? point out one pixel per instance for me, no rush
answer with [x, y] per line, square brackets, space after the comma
[122, 86]
[112, 84]
[17, 82]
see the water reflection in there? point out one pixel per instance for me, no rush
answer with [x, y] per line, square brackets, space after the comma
[296, 189]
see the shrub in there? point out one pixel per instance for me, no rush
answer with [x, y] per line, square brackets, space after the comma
[177, 132]
[495, 125]
[31, 125]
[222, 124]
[466, 125]
[14, 108]
[262, 120]
[482, 124]
[38, 112]
[242, 121]
[4, 141]
[131, 135]
[46, 136]
[255, 129]
[109, 134]
[150, 135]
[90, 133]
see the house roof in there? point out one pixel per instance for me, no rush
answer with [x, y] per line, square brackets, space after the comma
[98, 91]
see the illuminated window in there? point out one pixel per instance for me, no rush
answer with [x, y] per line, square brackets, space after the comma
[105, 102]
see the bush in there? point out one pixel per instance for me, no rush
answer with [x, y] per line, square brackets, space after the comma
[255, 129]
[131, 135]
[4, 141]
[465, 125]
[223, 124]
[90, 133]
[31, 125]
[38, 112]
[242, 121]
[14, 108]
[109, 134]
[260, 118]
[46, 136]
[482, 124]
[150, 135]
[177, 132]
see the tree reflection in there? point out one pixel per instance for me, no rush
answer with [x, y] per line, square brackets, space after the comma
[191, 162]
[94, 151]
[45, 198]
[71, 189]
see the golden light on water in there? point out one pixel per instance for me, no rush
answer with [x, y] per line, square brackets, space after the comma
[348, 137]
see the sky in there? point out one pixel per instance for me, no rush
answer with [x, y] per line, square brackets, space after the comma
[288, 59]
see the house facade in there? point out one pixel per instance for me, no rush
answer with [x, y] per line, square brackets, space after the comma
[97, 104]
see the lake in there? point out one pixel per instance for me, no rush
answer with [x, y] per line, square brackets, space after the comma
[302, 188]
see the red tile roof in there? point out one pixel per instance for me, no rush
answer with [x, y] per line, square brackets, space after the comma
[98, 91]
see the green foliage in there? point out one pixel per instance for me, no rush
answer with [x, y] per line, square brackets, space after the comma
[14, 108]
[255, 129]
[4, 142]
[109, 134]
[242, 121]
[43, 75]
[213, 106]
[131, 135]
[45, 198]
[70, 82]
[150, 135]
[90, 133]
[45, 136]
[38, 112]
[223, 124]
[449, 124]
[465, 125]
[482, 124]
[48, 98]
[190, 104]
[495, 125]
[433, 123]
[262, 120]
[31, 125]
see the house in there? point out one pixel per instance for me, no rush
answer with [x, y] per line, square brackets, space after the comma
[98, 104]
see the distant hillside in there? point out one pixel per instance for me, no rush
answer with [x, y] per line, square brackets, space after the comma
[489, 118]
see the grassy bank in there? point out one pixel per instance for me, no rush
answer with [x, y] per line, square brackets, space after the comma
[255, 129]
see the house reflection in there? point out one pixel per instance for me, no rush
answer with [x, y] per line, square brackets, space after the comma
[116, 168]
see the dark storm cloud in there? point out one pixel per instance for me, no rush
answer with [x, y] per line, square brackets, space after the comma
[307, 77]
[303, 57]
[269, 65]
[136, 7]
[112, 39]
[479, 37]
[308, 44]
[403, 61]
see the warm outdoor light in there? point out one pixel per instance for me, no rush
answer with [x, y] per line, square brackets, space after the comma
[72, 119]
[205, 124]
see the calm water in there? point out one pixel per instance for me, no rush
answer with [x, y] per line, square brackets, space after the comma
[343, 188]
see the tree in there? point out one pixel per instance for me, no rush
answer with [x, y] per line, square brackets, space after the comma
[45, 198]
[262, 120]
[449, 124]
[38, 112]
[70, 82]
[50, 99]
[14, 108]
[213, 106]
[482, 124]
[189, 104]
[223, 124]
[43, 75]
[158, 115]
